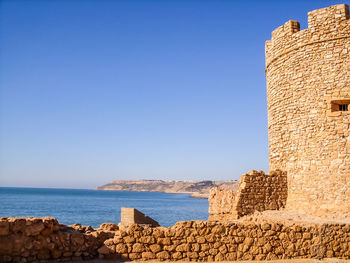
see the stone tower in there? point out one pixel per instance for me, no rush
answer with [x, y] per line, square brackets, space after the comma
[308, 96]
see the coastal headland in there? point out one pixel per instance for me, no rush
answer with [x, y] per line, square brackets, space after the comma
[199, 189]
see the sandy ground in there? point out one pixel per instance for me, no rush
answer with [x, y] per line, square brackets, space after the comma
[326, 260]
[290, 217]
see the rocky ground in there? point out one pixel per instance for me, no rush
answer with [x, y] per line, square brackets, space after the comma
[291, 217]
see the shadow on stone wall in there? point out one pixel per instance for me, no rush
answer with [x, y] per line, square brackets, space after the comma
[257, 191]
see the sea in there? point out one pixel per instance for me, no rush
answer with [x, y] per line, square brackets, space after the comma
[93, 207]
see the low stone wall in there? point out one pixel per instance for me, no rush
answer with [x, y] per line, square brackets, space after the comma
[35, 239]
[42, 239]
[214, 241]
[257, 191]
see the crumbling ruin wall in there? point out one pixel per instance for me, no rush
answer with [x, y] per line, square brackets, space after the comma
[32, 239]
[42, 239]
[215, 241]
[257, 191]
[308, 88]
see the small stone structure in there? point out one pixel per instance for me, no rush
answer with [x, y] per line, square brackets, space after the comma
[257, 191]
[308, 97]
[133, 216]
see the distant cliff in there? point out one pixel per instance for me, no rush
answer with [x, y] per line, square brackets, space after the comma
[196, 188]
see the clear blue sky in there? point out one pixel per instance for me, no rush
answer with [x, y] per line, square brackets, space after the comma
[93, 91]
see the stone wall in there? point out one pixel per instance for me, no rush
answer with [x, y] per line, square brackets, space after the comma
[42, 239]
[308, 78]
[257, 191]
[34, 239]
[214, 241]
[133, 216]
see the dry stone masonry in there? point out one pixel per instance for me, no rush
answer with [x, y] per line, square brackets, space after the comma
[42, 239]
[24, 239]
[133, 216]
[214, 241]
[308, 94]
[257, 191]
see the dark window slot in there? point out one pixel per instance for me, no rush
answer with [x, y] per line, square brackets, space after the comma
[343, 107]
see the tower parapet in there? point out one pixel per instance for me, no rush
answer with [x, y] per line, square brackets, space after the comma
[326, 24]
[308, 94]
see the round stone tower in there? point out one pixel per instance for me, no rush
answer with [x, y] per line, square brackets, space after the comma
[308, 97]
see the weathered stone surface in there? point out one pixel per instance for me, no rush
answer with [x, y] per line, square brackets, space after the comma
[34, 227]
[108, 227]
[4, 227]
[121, 248]
[138, 247]
[134, 256]
[148, 255]
[307, 74]
[131, 216]
[155, 248]
[237, 240]
[30, 239]
[104, 250]
[257, 191]
[163, 255]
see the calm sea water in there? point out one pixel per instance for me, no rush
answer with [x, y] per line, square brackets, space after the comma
[90, 207]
